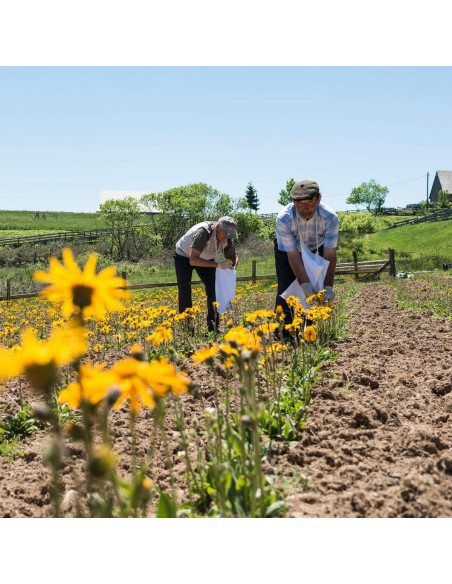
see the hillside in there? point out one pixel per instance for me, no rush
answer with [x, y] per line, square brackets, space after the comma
[427, 239]
[34, 222]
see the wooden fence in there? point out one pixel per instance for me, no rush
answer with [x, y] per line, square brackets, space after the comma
[442, 215]
[91, 235]
[360, 270]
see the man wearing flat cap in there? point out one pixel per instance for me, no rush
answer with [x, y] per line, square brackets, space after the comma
[197, 250]
[306, 220]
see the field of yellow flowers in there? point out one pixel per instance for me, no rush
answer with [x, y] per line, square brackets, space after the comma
[134, 410]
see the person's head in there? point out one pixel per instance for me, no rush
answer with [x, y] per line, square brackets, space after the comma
[226, 228]
[305, 195]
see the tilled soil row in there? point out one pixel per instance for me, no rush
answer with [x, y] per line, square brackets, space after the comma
[379, 442]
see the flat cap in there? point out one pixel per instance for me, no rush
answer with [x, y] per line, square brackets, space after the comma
[304, 189]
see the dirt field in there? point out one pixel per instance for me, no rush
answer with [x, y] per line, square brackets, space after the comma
[379, 437]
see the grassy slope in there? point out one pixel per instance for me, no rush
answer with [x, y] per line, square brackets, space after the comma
[432, 239]
[26, 222]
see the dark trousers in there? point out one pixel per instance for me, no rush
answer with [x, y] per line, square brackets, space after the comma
[285, 277]
[184, 273]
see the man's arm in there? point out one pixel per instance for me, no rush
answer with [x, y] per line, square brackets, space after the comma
[195, 260]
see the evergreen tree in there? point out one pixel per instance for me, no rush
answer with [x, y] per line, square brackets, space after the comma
[252, 198]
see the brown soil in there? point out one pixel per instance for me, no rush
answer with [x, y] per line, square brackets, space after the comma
[379, 437]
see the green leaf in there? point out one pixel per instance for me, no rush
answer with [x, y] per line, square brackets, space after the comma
[274, 507]
[166, 507]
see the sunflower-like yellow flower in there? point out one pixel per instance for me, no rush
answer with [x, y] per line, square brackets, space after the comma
[142, 383]
[296, 324]
[260, 315]
[85, 291]
[93, 386]
[39, 360]
[310, 333]
[266, 328]
[160, 335]
[205, 355]
[243, 338]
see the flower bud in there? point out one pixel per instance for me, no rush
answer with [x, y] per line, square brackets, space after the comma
[74, 430]
[102, 462]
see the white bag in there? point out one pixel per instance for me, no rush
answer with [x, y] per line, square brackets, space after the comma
[225, 281]
[296, 290]
[316, 267]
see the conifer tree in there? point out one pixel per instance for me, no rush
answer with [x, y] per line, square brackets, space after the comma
[252, 198]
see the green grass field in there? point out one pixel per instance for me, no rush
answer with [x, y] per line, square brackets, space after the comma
[426, 238]
[22, 223]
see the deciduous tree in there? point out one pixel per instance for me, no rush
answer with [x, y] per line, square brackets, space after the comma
[284, 194]
[369, 194]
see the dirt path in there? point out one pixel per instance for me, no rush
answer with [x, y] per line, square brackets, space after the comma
[380, 434]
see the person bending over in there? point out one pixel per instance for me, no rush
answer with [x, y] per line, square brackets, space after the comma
[197, 250]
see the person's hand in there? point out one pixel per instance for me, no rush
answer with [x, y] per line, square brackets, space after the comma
[307, 289]
[329, 295]
[223, 265]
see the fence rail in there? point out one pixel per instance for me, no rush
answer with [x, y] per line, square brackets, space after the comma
[442, 215]
[88, 235]
[362, 269]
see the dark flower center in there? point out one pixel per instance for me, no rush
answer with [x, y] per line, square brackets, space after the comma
[82, 295]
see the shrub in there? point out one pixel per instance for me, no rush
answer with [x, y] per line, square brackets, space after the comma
[358, 223]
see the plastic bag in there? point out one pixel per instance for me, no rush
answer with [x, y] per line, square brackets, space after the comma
[315, 266]
[225, 282]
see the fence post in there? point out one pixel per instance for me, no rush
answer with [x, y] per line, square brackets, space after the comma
[355, 261]
[124, 277]
[392, 270]
[253, 271]
[8, 289]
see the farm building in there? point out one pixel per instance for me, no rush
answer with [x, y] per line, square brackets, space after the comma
[442, 182]
[108, 195]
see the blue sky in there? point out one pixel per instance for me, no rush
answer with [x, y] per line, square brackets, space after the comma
[67, 133]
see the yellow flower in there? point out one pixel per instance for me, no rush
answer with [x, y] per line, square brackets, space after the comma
[206, 354]
[310, 333]
[240, 336]
[266, 328]
[39, 360]
[91, 293]
[259, 315]
[93, 386]
[160, 335]
[277, 347]
[142, 383]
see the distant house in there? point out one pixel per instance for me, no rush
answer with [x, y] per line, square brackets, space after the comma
[442, 182]
[117, 195]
